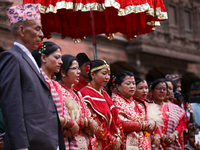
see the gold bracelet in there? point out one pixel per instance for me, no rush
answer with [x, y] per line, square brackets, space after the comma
[65, 121]
[86, 122]
[176, 135]
[143, 125]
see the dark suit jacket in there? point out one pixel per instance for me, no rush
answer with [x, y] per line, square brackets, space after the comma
[30, 115]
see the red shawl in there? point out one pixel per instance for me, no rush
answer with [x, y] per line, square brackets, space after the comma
[81, 84]
[102, 105]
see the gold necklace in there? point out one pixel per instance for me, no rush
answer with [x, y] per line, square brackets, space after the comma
[161, 115]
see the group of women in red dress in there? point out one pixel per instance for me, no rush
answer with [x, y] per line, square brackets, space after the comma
[94, 120]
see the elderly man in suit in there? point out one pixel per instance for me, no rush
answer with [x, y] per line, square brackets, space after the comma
[30, 115]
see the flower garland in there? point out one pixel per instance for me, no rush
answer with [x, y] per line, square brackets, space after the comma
[41, 47]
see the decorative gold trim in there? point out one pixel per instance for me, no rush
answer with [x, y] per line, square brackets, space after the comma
[101, 7]
[77, 40]
[87, 101]
[111, 36]
[101, 67]
[138, 9]
[89, 7]
[133, 9]
[154, 23]
[74, 7]
[95, 89]
[59, 5]
[157, 13]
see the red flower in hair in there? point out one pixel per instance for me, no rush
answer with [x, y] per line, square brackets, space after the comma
[40, 45]
[113, 80]
[87, 68]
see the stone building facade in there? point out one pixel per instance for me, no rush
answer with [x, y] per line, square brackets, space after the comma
[174, 47]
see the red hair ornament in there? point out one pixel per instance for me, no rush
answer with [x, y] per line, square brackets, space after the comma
[41, 47]
[87, 68]
[113, 80]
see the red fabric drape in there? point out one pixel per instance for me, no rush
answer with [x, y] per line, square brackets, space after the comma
[129, 17]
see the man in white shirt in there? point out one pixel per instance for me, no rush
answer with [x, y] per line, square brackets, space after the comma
[195, 101]
[30, 115]
[191, 145]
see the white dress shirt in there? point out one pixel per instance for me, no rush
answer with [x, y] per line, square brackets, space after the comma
[28, 53]
[188, 146]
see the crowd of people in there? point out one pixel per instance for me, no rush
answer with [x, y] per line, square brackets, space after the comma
[51, 101]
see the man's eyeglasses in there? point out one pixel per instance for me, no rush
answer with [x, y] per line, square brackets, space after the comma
[159, 88]
[75, 68]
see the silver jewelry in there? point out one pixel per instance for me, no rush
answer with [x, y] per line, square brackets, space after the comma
[44, 61]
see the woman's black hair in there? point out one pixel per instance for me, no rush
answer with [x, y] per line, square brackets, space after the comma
[121, 75]
[37, 56]
[156, 82]
[109, 86]
[50, 48]
[67, 62]
[94, 64]
[138, 80]
[173, 83]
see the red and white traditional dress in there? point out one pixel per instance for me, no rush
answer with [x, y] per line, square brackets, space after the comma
[82, 139]
[172, 116]
[81, 84]
[131, 113]
[105, 114]
[55, 88]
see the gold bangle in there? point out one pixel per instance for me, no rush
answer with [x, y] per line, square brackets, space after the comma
[176, 135]
[86, 122]
[65, 121]
[143, 125]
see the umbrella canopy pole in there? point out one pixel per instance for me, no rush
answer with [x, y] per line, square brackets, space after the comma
[93, 34]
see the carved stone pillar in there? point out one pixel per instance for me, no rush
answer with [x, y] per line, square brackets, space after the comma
[6, 39]
[4, 5]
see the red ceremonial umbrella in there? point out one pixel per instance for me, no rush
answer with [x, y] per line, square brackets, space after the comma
[81, 18]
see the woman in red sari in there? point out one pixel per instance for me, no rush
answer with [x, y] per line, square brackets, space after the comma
[142, 93]
[142, 89]
[48, 58]
[172, 87]
[132, 112]
[68, 76]
[109, 134]
[172, 116]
